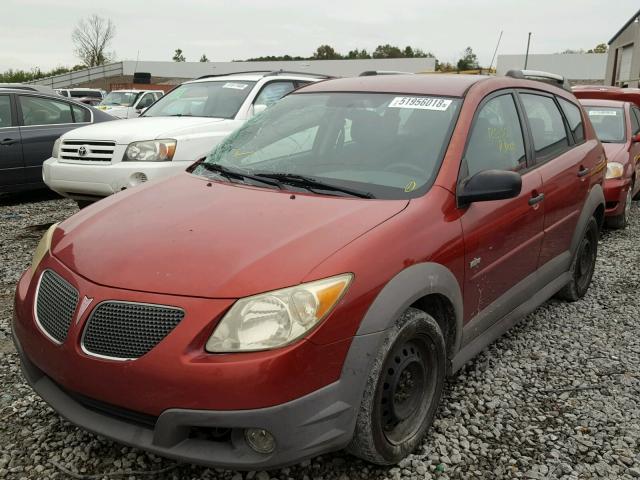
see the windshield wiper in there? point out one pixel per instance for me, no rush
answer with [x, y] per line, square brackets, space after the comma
[229, 174]
[180, 115]
[311, 184]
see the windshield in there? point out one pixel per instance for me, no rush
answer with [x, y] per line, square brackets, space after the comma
[121, 99]
[608, 123]
[386, 145]
[220, 99]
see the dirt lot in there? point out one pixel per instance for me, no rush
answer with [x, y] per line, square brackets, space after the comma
[557, 397]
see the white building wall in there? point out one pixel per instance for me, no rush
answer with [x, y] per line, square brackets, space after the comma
[573, 66]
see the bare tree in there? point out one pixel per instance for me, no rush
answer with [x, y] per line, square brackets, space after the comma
[91, 37]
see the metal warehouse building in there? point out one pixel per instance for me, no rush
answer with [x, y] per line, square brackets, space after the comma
[623, 64]
[578, 68]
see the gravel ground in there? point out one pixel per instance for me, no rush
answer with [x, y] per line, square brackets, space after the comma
[557, 397]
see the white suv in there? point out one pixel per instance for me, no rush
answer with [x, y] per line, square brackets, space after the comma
[96, 161]
[128, 103]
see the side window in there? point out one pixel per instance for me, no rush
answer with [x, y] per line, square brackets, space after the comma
[44, 111]
[574, 118]
[146, 100]
[635, 120]
[547, 127]
[81, 115]
[5, 111]
[496, 141]
[274, 91]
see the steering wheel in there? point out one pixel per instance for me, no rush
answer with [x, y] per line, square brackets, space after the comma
[404, 168]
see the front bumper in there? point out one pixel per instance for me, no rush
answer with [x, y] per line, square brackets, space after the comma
[86, 181]
[172, 400]
[615, 193]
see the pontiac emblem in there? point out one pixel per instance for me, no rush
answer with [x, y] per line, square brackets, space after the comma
[86, 301]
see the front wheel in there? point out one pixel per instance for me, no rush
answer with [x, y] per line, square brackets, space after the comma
[622, 220]
[403, 390]
[583, 264]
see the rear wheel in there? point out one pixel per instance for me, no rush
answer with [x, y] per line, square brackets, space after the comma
[583, 264]
[622, 220]
[403, 390]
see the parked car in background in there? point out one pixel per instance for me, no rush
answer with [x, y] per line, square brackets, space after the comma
[30, 123]
[128, 103]
[90, 96]
[308, 286]
[617, 125]
[173, 133]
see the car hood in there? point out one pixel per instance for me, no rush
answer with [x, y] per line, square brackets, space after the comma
[181, 236]
[612, 150]
[142, 128]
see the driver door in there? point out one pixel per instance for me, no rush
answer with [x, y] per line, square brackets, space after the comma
[503, 237]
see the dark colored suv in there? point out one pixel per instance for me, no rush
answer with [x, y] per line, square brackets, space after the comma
[308, 285]
[30, 123]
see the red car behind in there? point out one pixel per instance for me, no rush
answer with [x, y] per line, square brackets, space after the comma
[617, 125]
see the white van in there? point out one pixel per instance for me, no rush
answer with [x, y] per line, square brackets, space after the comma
[96, 161]
[128, 103]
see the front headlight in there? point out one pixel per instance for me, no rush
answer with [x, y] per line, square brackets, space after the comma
[150, 151]
[275, 319]
[614, 170]
[56, 149]
[43, 247]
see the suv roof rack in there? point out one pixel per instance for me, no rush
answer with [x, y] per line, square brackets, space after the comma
[266, 73]
[373, 73]
[552, 78]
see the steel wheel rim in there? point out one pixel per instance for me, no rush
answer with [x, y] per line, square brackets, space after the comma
[585, 261]
[407, 389]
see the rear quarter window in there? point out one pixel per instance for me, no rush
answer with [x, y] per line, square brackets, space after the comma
[574, 119]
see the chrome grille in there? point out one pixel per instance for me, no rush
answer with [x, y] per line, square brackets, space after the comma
[86, 151]
[56, 303]
[124, 330]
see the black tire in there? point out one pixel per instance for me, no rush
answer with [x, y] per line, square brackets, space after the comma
[621, 221]
[582, 265]
[403, 390]
[83, 203]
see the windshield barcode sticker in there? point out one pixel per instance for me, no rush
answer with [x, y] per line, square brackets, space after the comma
[599, 113]
[235, 86]
[422, 103]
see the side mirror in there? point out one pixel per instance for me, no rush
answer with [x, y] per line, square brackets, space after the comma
[257, 109]
[490, 185]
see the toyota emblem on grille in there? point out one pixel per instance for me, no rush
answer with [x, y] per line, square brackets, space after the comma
[82, 151]
[86, 301]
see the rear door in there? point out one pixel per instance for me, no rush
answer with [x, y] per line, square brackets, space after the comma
[502, 238]
[564, 167]
[11, 163]
[42, 121]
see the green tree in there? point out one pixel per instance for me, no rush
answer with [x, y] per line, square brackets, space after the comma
[178, 56]
[387, 51]
[408, 52]
[204, 58]
[419, 53]
[469, 60]
[358, 54]
[600, 48]
[326, 52]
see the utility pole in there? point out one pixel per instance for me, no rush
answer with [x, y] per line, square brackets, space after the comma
[494, 52]
[526, 57]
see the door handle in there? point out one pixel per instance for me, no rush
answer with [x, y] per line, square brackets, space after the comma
[8, 141]
[583, 171]
[537, 199]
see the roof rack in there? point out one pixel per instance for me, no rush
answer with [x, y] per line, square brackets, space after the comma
[267, 73]
[552, 78]
[373, 73]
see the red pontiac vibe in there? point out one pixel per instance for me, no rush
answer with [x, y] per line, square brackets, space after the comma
[308, 286]
[617, 125]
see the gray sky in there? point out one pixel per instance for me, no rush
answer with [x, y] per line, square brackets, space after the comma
[38, 32]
